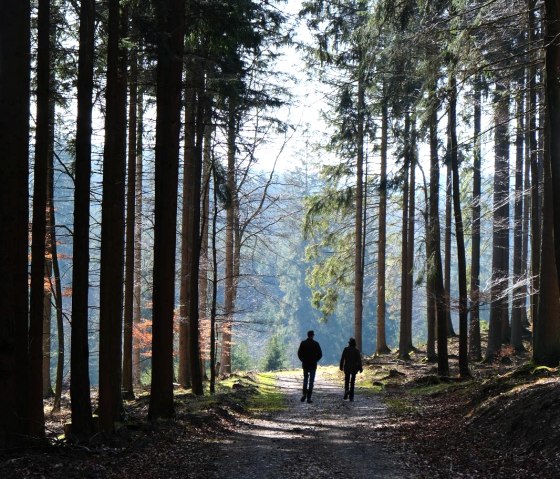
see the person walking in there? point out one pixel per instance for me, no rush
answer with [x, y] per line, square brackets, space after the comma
[309, 353]
[350, 363]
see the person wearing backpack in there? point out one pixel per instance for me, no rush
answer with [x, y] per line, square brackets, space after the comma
[351, 364]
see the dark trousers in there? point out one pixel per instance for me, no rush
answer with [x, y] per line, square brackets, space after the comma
[308, 380]
[349, 381]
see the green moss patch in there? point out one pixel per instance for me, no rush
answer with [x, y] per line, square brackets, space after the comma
[267, 397]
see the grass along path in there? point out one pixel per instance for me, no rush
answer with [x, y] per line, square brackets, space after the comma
[327, 439]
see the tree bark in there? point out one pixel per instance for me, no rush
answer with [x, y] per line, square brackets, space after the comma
[431, 291]
[552, 95]
[79, 353]
[229, 301]
[459, 232]
[358, 247]
[50, 244]
[382, 347]
[171, 24]
[519, 297]
[38, 293]
[527, 187]
[214, 291]
[436, 263]
[411, 237]
[128, 309]
[137, 307]
[189, 154]
[475, 348]
[204, 257]
[500, 223]
[57, 287]
[39, 226]
[113, 225]
[194, 333]
[546, 327]
[47, 320]
[447, 264]
[403, 334]
[14, 214]
[536, 220]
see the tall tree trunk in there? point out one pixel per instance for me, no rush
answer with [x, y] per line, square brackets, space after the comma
[14, 214]
[39, 226]
[358, 246]
[475, 348]
[79, 353]
[434, 234]
[189, 155]
[382, 347]
[447, 264]
[449, 189]
[57, 287]
[137, 307]
[113, 225]
[171, 24]
[50, 246]
[431, 291]
[128, 314]
[204, 240]
[500, 223]
[552, 94]
[546, 326]
[194, 332]
[214, 290]
[431, 312]
[47, 318]
[225, 361]
[238, 231]
[403, 334]
[525, 263]
[536, 222]
[459, 232]
[411, 237]
[518, 290]
[430, 303]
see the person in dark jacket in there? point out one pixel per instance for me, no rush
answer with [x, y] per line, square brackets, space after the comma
[350, 363]
[309, 353]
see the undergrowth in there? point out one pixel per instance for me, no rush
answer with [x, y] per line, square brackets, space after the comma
[267, 397]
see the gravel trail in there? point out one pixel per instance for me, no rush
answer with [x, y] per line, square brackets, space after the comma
[327, 439]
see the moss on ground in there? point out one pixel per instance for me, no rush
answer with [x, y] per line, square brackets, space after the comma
[400, 406]
[267, 397]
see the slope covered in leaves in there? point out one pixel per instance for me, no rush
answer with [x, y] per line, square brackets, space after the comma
[490, 426]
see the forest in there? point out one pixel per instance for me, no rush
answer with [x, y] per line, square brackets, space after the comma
[192, 185]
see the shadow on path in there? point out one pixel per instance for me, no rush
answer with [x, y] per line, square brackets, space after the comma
[326, 439]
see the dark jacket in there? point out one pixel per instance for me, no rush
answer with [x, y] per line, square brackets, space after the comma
[351, 360]
[309, 353]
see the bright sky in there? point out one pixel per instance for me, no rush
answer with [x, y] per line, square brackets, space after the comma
[304, 114]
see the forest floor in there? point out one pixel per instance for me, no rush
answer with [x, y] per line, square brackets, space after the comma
[405, 422]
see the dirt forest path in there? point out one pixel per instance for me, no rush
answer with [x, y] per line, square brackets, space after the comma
[327, 439]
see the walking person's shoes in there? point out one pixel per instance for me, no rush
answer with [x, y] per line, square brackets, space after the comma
[303, 398]
[345, 395]
[309, 401]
